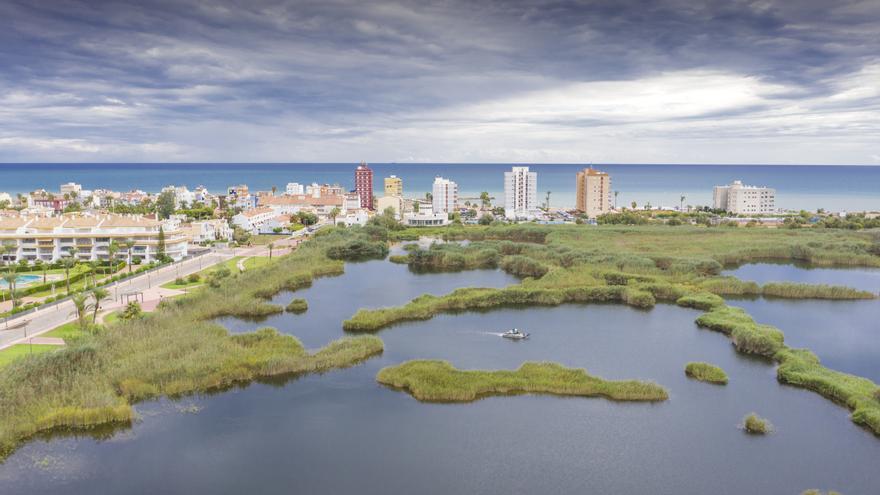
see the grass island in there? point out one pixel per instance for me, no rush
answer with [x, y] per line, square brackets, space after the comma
[439, 381]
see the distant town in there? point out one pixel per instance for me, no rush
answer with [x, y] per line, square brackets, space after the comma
[74, 221]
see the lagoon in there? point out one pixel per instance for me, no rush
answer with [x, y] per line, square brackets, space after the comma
[342, 432]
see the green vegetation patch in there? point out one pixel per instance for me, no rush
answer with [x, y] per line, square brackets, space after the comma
[756, 425]
[706, 372]
[18, 351]
[802, 368]
[747, 336]
[701, 300]
[297, 306]
[810, 291]
[439, 381]
[426, 306]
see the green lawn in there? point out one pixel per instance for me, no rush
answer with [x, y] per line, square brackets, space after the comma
[263, 239]
[258, 261]
[14, 352]
[66, 331]
[230, 263]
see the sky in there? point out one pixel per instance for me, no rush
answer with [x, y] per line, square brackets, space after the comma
[616, 81]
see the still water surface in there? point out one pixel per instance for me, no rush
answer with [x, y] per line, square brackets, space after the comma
[344, 433]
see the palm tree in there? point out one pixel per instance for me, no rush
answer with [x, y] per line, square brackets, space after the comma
[10, 277]
[681, 203]
[271, 246]
[633, 204]
[68, 263]
[273, 190]
[333, 214]
[548, 200]
[43, 267]
[485, 199]
[93, 266]
[129, 244]
[82, 307]
[112, 249]
[98, 295]
[615, 199]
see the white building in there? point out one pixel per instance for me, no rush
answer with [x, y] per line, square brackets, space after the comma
[294, 188]
[520, 193]
[445, 195]
[210, 230]
[252, 220]
[741, 199]
[354, 217]
[50, 239]
[71, 188]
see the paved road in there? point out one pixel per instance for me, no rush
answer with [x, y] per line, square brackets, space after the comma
[47, 319]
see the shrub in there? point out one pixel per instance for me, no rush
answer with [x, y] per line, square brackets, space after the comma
[193, 278]
[706, 372]
[401, 259]
[702, 300]
[756, 425]
[358, 250]
[523, 266]
[179, 281]
[297, 306]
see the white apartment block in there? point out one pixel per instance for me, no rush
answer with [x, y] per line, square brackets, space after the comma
[445, 195]
[52, 238]
[294, 188]
[520, 193]
[252, 220]
[741, 199]
[210, 230]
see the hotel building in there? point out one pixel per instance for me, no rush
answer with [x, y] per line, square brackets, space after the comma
[520, 193]
[445, 195]
[393, 186]
[363, 185]
[593, 192]
[740, 199]
[51, 238]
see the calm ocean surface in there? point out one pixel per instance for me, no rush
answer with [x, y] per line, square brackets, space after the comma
[798, 187]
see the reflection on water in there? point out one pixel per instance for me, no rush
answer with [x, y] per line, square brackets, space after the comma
[341, 432]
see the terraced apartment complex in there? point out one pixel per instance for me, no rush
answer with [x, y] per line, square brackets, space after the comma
[49, 239]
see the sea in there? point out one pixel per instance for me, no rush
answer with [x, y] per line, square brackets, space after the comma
[808, 187]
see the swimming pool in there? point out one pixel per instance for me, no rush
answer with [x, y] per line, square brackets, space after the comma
[22, 281]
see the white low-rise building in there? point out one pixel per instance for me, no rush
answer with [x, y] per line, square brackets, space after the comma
[741, 199]
[51, 238]
[252, 220]
[210, 230]
[354, 217]
[294, 188]
[425, 219]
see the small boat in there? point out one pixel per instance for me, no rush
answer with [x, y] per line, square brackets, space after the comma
[515, 334]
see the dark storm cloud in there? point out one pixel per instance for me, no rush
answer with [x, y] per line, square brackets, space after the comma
[113, 79]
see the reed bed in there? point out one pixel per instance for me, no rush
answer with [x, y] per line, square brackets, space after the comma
[810, 291]
[297, 306]
[427, 306]
[439, 381]
[706, 372]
